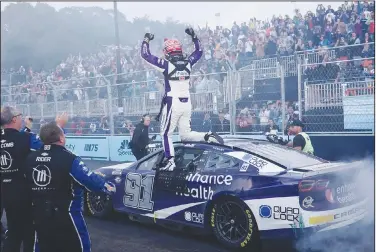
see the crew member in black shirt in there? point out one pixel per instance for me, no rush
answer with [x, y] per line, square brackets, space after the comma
[140, 138]
[16, 144]
[301, 140]
[57, 180]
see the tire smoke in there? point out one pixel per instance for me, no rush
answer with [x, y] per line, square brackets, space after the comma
[354, 238]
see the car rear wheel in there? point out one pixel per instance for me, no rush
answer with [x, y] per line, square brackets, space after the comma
[98, 204]
[233, 224]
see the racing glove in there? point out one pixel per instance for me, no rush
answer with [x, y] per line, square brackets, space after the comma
[148, 37]
[109, 188]
[191, 33]
[281, 141]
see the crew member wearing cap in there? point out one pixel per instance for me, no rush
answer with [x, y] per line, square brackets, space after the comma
[301, 140]
[16, 144]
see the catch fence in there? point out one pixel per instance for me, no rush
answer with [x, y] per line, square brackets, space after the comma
[338, 96]
[321, 87]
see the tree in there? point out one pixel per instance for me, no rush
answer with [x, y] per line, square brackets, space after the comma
[40, 36]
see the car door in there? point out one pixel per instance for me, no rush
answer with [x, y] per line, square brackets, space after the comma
[170, 198]
[138, 186]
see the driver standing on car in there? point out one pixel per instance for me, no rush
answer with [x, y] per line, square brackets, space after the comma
[57, 180]
[301, 140]
[140, 139]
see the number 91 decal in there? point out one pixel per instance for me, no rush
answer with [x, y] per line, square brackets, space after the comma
[139, 191]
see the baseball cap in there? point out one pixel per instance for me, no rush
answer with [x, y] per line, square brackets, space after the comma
[297, 123]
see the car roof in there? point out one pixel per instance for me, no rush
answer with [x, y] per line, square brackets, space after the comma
[287, 157]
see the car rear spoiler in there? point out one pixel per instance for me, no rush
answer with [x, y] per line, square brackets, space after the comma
[331, 167]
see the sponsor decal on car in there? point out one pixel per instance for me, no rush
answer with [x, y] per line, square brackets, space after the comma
[218, 149]
[307, 202]
[345, 193]
[210, 179]
[100, 174]
[279, 213]
[244, 167]
[205, 190]
[315, 220]
[200, 192]
[194, 217]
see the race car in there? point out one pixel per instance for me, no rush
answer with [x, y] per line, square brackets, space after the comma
[242, 191]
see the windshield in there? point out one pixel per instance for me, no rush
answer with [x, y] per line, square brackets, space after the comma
[285, 156]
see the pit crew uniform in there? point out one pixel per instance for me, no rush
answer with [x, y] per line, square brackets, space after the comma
[15, 147]
[176, 105]
[57, 179]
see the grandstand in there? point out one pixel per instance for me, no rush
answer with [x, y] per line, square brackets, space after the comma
[285, 68]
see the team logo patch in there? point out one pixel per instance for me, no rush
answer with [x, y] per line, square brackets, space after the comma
[42, 175]
[6, 160]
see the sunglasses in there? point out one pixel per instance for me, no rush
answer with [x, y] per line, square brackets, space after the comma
[17, 115]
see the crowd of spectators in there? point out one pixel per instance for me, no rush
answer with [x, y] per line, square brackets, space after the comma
[86, 77]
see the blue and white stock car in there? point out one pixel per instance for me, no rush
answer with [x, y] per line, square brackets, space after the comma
[242, 191]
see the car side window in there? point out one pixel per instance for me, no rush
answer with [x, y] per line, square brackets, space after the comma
[185, 156]
[219, 161]
[150, 163]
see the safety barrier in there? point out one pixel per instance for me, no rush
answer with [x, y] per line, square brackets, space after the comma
[108, 148]
[115, 148]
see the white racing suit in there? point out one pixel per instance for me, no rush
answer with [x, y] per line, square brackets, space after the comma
[177, 108]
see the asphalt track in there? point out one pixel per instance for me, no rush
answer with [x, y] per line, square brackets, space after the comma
[121, 235]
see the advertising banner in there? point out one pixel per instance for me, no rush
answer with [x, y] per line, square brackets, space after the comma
[359, 112]
[119, 150]
[89, 147]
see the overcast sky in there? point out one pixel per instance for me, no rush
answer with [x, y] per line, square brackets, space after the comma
[199, 13]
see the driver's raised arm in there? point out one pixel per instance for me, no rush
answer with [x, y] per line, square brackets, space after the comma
[157, 63]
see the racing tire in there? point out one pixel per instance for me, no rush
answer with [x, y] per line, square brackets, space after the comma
[234, 225]
[98, 205]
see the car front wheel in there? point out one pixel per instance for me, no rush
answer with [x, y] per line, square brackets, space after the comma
[98, 204]
[233, 224]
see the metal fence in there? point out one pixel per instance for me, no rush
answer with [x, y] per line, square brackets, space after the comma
[338, 96]
[318, 86]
